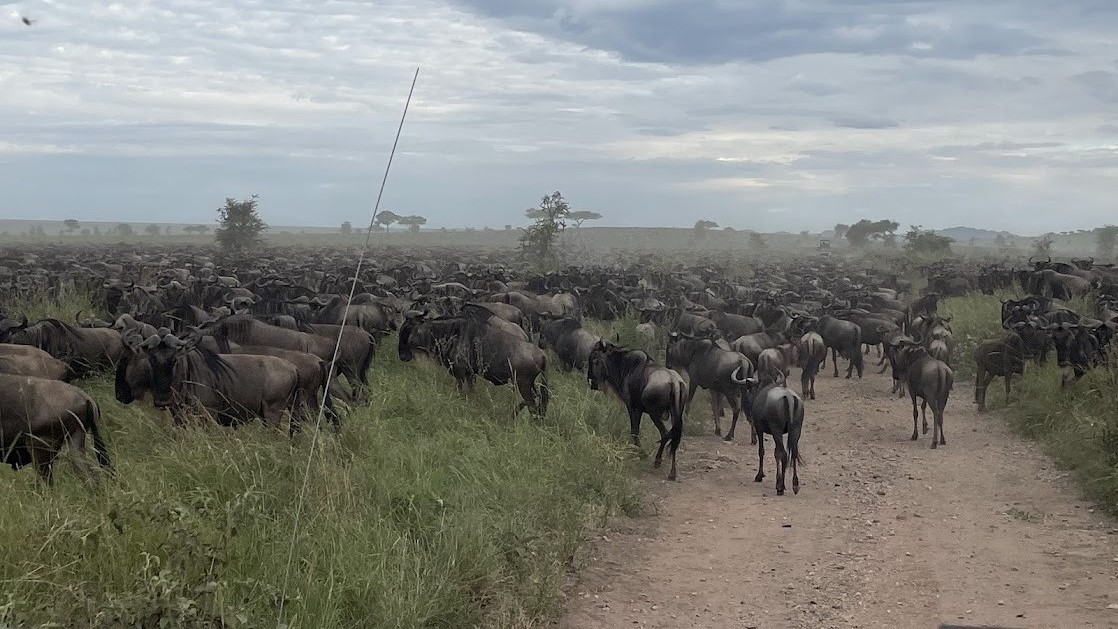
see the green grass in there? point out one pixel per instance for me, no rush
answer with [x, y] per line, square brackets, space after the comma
[427, 510]
[1078, 425]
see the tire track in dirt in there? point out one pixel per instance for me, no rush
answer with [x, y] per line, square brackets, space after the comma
[884, 533]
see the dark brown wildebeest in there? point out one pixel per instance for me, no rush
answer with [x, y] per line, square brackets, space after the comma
[24, 360]
[843, 338]
[313, 374]
[777, 411]
[644, 388]
[353, 363]
[469, 348]
[84, 350]
[813, 353]
[38, 417]
[571, 342]
[928, 379]
[721, 371]
[233, 388]
[1004, 357]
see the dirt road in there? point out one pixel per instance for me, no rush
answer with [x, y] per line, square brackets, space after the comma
[884, 533]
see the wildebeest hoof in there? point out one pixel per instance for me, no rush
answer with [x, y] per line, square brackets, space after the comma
[795, 488]
[656, 463]
[671, 476]
[942, 441]
[780, 491]
[758, 478]
[914, 436]
[934, 444]
[727, 437]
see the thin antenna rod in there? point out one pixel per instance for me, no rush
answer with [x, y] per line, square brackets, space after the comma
[333, 361]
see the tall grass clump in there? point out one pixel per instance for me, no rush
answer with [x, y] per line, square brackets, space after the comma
[1078, 425]
[427, 509]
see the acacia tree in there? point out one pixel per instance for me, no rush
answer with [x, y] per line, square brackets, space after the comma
[701, 228]
[920, 240]
[124, 229]
[840, 230]
[153, 230]
[583, 215]
[346, 228]
[386, 218]
[757, 241]
[239, 225]
[538, 241]
[860, 233]
[414, 222]
[1106, 238]
[71, 225]
[1043, 246]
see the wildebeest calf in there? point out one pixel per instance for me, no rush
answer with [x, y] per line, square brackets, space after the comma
[1004, 357]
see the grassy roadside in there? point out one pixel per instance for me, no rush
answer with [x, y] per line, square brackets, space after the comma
[427, 510]
[1078, 426]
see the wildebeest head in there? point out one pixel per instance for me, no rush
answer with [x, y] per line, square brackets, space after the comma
[162, 353]
[9, 327]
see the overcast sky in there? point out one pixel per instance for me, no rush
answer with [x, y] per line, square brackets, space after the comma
[767, 114]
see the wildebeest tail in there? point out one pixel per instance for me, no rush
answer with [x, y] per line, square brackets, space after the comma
[675, 435]
[545, 393]
[794, 409]
[92, 421]
[367, 362]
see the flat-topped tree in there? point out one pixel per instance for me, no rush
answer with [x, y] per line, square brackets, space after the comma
[579, 217]
[413, 222]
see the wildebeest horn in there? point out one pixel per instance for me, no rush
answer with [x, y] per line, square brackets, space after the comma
[23, 324]
[947, 319]
[152, 341]
[132, 341]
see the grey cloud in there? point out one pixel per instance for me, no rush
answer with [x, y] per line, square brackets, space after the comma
[864, 122]
[710, 31]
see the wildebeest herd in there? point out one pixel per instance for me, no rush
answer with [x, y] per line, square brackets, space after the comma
[237, 339]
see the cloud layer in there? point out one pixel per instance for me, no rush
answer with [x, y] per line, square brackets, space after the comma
[773, 114]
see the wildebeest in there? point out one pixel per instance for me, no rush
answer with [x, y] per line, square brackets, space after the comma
[1076, 350]
[717, 370]
[24, 360]
[84, 350]
[313, 374]
[813, 353]
[777, 411]
[930, 380]
[571, 342]
[469, 348]
[353, 363]
[776, 362]
[1004, 357]
[233, 388]
[38, 417]
[644, 388]
[843, 338]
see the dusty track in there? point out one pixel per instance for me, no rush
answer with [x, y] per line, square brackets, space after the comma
[884, 533]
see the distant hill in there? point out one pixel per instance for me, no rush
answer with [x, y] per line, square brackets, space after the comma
[963, 235]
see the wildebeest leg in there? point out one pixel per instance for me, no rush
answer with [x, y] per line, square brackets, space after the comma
[850, 367]
[937, 414]
[834, 359]
[735, 408]
[781, 462]
[915, 418]
[527, 389]
[1007, 378]
[658, 420]
[635, 426]
[716, 410]
[867, 352]
[924, 414]
[760, 459]
[805, 384]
